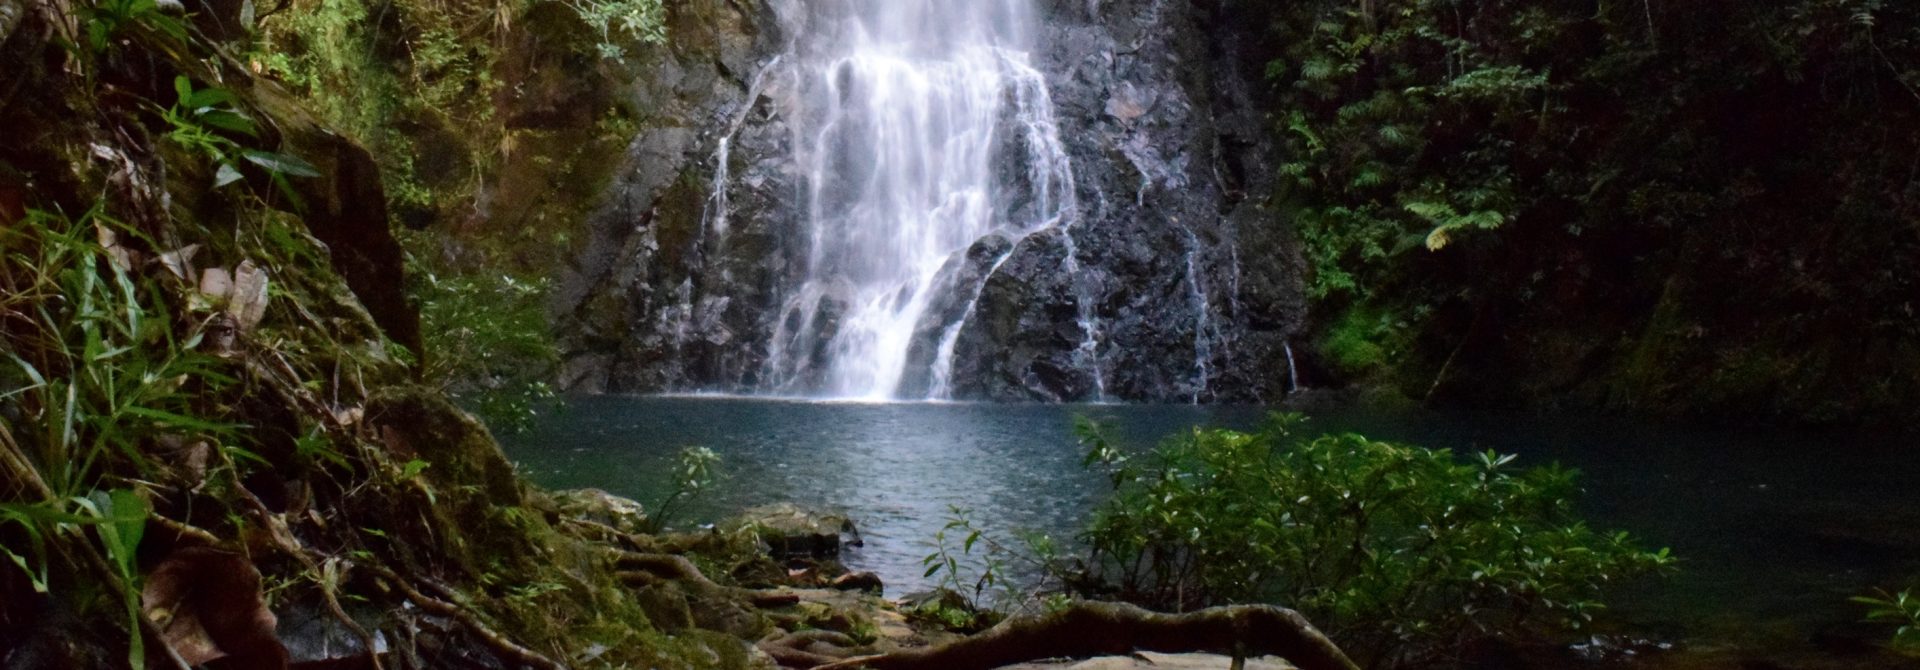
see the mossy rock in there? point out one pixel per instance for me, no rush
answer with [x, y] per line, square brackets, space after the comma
[791, 531]
[603, 508]
[459, 451]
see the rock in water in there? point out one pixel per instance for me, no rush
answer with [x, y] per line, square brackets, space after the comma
[603, 508]
[794, 532]
[860, 581]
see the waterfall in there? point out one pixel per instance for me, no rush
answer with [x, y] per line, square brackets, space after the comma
[713, 221]
[1293, 371]
[922, 128]
[1202, 321]
[942, 384]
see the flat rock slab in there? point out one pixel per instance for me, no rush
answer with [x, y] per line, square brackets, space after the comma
[1147, 660]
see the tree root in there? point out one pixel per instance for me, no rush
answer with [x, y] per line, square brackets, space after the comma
[507, 649]
[645, 569]
[1099, 629]
[282, 537]
[804, 649]
[606, 535]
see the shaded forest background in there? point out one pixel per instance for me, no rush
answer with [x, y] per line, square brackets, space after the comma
[1676, 208]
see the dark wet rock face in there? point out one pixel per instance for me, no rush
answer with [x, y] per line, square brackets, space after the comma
[1195, 290]
[1190, 284]
[651, 301]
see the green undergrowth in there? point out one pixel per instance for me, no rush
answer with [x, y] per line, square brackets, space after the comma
[488, 336]
[1405, 556]
[1693, 209]
[193, 399]
[495, 128]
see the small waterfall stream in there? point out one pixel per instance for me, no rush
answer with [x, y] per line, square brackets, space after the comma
[922, 128]
[719, 207]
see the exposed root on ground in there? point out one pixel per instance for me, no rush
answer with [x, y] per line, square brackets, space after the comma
[809, 648]
[1090, 629]
[648, 569]
[500, 645]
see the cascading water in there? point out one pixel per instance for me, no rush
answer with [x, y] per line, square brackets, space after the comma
[921, 128]
[873, 199]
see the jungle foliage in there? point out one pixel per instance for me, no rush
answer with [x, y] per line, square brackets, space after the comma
[488, 340]
[1673, 206]
[439, 93]
[1900, 610]
[203, 420]
[1405, 555]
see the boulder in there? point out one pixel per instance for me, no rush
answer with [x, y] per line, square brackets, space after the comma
[794, 532]
[860, 581]
[603, 508]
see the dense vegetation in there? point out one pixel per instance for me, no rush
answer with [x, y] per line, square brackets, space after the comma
[210, 403]
[1406, 556]
[1672, 207]
[486, 155]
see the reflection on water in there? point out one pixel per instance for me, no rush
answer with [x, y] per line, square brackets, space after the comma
[1775, 529]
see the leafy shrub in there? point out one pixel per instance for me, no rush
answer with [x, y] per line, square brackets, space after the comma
[1404, 554]
[643, 21]
[488, 340]
[695, 471]
[91, 376]
[1353, 343]
[1902, 609]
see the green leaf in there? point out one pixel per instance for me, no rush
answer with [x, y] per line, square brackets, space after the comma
[225, 175]
[245, 455]
[280, 163]
[229, 121]
[130, 512]
[414, 468]
[203, 98]
[37, 577]
[179, 421]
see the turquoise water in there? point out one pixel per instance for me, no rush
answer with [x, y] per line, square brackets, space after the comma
[1775, 528]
